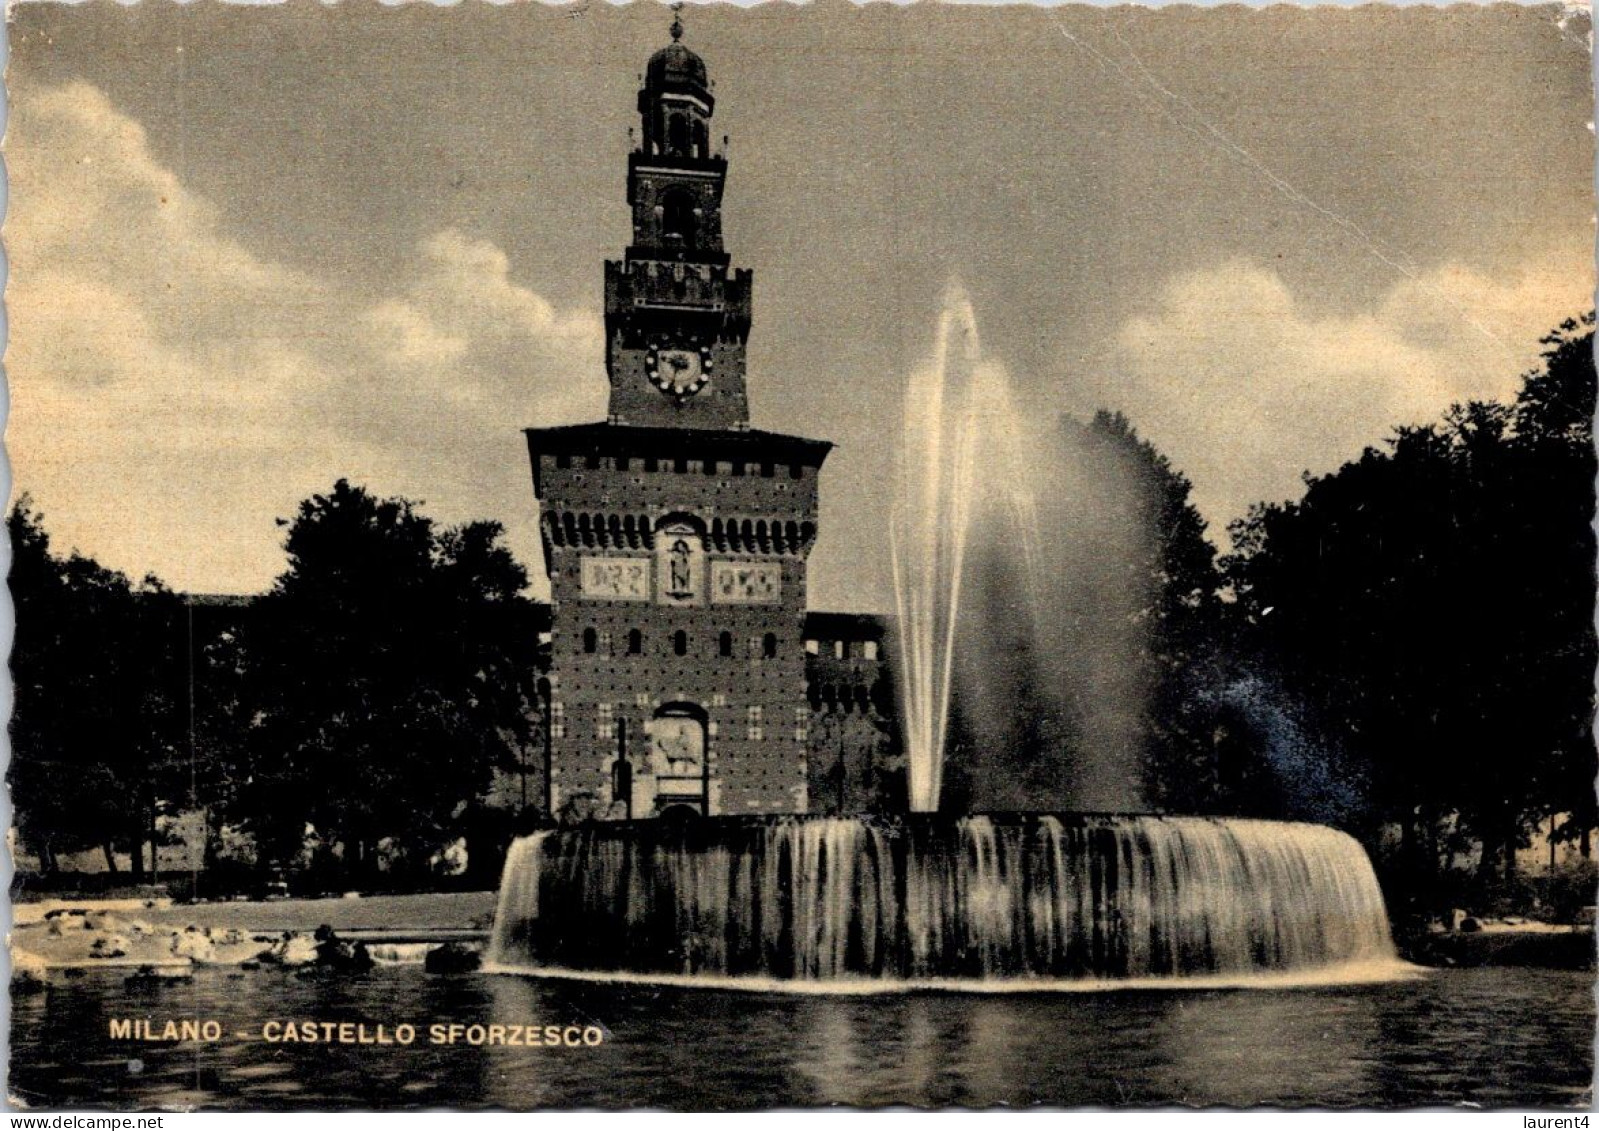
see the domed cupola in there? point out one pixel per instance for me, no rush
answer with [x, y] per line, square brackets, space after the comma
[676, 102]
[674, 67]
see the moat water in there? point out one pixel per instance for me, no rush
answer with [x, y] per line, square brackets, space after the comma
[1494, 1037]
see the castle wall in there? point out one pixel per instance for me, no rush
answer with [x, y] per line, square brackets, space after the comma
[738, 667]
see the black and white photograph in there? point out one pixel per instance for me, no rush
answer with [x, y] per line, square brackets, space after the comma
[801, 556]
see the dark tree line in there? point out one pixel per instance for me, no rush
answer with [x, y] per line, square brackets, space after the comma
[379, 683]
[97, 725]
[365, 701]
[1409, 645]
[1429, 609]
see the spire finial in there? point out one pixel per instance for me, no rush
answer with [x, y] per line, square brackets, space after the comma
[677, 21]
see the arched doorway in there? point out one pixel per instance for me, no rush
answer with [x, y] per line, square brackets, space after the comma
[678, 758]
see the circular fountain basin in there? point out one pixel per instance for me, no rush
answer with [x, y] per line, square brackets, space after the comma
[1013, 902]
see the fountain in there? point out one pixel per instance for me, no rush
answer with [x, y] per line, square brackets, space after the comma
[946, 407]
[1016, 629]
[1034, 901]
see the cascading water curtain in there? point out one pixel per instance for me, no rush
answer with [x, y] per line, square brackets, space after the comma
[1040, 897]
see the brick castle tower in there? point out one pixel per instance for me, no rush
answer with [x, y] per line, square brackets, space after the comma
[675, 535]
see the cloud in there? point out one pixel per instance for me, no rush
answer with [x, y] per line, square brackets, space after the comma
[1244, 387]
[174, 392]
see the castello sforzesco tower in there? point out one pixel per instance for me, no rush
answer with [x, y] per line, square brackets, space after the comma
[675, 535]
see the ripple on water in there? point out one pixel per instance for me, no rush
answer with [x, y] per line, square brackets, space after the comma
[1498, 1037]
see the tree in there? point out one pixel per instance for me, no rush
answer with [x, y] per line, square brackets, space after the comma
[1553, 441]
[1430, 605]
[97, 722]
[385, 677]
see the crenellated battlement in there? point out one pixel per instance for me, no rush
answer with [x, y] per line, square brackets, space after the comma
[646, 286]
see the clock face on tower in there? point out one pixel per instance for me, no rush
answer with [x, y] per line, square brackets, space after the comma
[678, 369]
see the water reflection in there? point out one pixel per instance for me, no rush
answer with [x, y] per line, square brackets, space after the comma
[1493, 1037]
[1310, 1045]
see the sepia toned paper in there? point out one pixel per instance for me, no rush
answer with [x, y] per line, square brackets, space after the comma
[744, 558]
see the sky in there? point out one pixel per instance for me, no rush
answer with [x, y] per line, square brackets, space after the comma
[255, 250]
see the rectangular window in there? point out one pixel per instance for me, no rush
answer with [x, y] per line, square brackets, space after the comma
[869, 649]
[753, 728]
[802, 720]
[607, 722]
[557, 720]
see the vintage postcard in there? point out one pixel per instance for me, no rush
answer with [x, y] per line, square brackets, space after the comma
[703, 557]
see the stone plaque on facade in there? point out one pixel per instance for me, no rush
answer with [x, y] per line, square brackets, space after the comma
[746, 583]
[616, 579]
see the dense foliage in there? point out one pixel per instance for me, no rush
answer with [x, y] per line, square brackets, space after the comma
[98, 673]
[1427, 611]
[381, 681]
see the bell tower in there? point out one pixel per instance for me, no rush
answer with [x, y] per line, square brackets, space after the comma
[676, 536]
[677, 317]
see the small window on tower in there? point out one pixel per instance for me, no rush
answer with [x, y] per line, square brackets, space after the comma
[753, 728]
[724, 644]
[769, 646]
[869, 649]
[635, 642]
[680, 642]
[591, 640]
